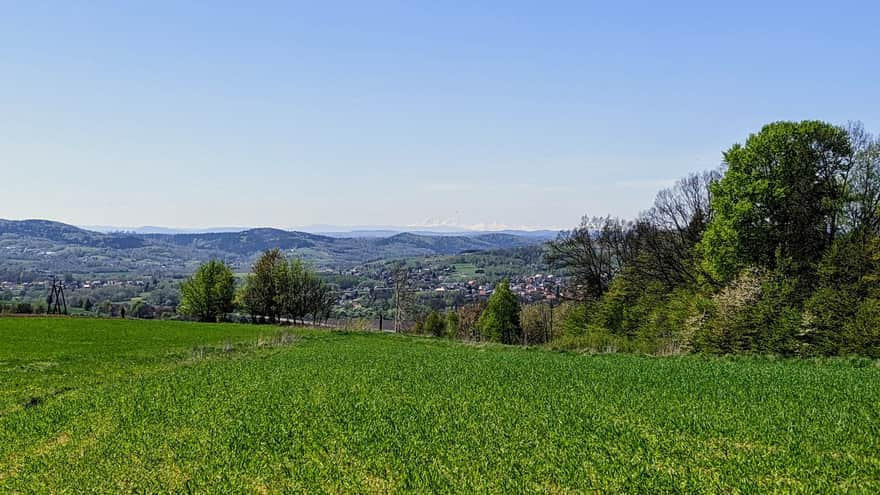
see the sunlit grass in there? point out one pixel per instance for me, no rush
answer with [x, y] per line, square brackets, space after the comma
[141, 409]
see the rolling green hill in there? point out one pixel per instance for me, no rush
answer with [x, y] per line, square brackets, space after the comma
[137, 406]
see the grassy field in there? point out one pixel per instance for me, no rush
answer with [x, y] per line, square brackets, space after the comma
[113, 406]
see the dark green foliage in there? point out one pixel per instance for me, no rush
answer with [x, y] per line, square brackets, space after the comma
[20, 308]
[434, 324]
[140, 309]
[267, 286]
[861, 333]
[848, 276]
[755, 313]
[279, 288]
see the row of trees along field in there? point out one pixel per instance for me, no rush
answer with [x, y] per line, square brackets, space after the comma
[276, 288]
[777, 252]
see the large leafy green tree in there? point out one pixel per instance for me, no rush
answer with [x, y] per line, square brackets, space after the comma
[500, 321]
[780, 200]
[208, 294]
[280, 288]
[265, 291]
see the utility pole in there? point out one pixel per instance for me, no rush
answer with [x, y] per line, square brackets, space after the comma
[401, 286]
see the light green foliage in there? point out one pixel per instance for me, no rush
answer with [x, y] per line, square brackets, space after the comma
[665, 330]
[152, 407]
[499, 322]
[780, 256]
[208, 294]
[575, 319]
[778, 199]
[575, 330]
[634, 315]
[627, 304]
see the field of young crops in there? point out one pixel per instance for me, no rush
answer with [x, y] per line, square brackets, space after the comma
[137, 406]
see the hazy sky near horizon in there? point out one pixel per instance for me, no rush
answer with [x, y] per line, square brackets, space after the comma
[514, 114]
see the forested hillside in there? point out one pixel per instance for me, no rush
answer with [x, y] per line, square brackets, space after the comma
[31, 249]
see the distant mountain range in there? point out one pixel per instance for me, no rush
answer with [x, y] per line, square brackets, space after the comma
[330, 231]
[52, 247]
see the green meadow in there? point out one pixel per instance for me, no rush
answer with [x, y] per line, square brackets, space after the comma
[146, 406]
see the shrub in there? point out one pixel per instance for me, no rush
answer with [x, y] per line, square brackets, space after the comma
[756, 313]
[861, 334]
[452, 325]
[468, 319]
[500, 320]
[847, 278]
[535, 320]
[665, 330]
[729, 329]
[434, 324]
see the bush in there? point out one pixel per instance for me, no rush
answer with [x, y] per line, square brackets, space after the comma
[500, 320]
[729, 327]
[847, 278]
[574, 319]
[861, 334]
[535, 320]
[452, 325]
[468, 319]
[756, 313]
[592, 339]
[666, 329]
[434, 324]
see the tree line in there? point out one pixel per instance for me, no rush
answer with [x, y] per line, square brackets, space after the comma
[776, 252]
[275, 289]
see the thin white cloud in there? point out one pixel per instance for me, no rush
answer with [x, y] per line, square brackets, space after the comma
[449, 223]
[521, 187]
[655, 184]
[449, 187]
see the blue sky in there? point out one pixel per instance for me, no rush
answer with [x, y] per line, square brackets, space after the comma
[514, 114]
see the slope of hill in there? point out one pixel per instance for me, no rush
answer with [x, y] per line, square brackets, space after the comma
[41, 247]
